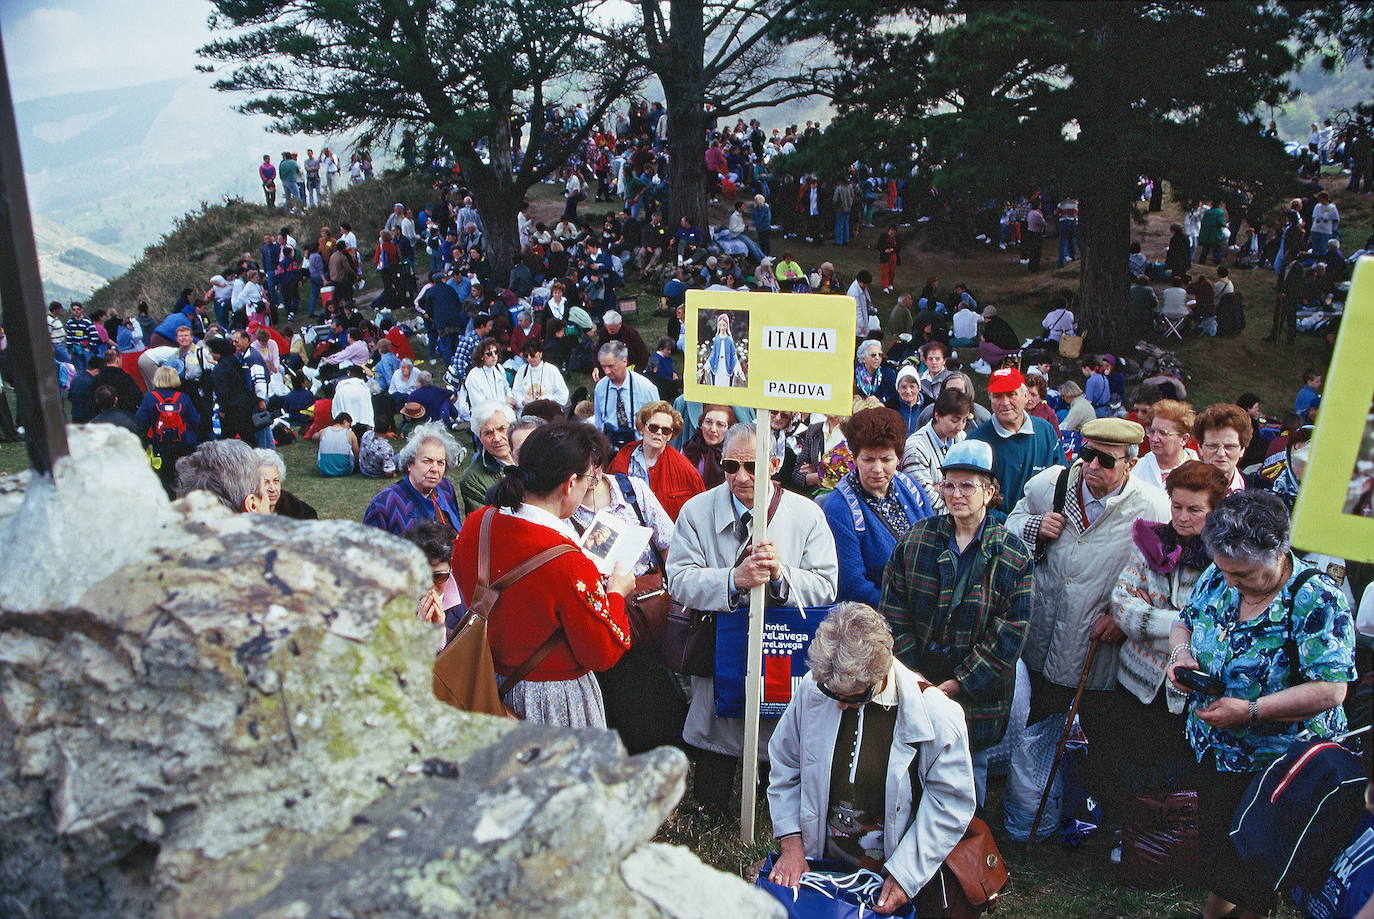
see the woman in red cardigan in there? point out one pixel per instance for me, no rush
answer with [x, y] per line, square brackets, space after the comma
[671, 476]
[534, 500]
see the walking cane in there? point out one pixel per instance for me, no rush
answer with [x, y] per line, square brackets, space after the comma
[1063, 739]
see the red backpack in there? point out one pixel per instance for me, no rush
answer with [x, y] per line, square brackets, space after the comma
[169, 426]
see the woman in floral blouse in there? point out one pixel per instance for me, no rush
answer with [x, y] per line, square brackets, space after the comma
[1280, 638]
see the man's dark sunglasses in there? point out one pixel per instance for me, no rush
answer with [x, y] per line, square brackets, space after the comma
[1105, 460]
[861, 699]
[732, 466]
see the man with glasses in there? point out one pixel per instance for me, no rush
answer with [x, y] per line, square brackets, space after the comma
[713, 564]
[1078, 521]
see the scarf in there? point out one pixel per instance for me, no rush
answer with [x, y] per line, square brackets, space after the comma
[1164, 550]
[866, 382]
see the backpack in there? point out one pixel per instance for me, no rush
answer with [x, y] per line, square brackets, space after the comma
[464, 675]
[169, 427]
[1299, 813]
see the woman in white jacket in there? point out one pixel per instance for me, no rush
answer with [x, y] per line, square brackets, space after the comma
[486, 380]
[538, 379]
[868, 724]
[1169, 558]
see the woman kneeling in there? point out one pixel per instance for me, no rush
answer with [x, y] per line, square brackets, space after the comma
[870, 724]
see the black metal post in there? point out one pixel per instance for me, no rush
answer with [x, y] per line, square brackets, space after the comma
[21, 298]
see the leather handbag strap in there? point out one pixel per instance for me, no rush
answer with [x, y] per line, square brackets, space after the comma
[1061, 491]
[484, 593]
[534, 660]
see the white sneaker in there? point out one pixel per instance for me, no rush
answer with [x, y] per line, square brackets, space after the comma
[1115, 856]
[1002, 246]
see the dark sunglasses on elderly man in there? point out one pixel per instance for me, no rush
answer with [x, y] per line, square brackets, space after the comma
[1105, 460]
[732, 466]
[861, 699]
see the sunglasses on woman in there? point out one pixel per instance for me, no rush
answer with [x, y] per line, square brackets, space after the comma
[658, 428]
[1105, 460]
[733, 466]
[861, 699]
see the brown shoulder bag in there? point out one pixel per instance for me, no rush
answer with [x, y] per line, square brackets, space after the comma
[971, 878]
[464, 675]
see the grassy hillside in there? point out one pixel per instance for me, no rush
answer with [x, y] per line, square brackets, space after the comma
[202, 242]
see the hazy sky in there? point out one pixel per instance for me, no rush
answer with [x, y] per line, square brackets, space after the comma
[59, 46]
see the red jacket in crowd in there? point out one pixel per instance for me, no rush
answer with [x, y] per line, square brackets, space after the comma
[565, 592]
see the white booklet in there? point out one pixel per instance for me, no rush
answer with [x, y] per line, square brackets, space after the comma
[609, 541]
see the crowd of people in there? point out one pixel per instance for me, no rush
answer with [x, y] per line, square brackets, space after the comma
[1094, 537]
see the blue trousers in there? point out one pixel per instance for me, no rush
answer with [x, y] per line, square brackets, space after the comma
[1068, 241]
[841, 229]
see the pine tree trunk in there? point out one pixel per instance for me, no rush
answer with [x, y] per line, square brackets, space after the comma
[499, 204]
[1105, 237]
[684, 85]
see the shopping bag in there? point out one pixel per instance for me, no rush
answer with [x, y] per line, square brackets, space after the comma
[1159, 840]
[830, 890]
[1030, 768]
[787, 634]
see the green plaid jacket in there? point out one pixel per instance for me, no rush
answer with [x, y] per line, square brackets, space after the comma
[983, 636]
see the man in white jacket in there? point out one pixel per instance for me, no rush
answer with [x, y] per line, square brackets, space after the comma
[712, 565]
[1081, 533]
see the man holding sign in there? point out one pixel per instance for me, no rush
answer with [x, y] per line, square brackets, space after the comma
[714, 563]
[793, 352]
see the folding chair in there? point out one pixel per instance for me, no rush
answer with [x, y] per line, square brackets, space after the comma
[1173, 325]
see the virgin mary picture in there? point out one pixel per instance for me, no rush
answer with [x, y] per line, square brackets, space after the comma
[722, 360]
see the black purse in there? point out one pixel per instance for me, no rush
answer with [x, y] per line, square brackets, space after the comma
[689, 637]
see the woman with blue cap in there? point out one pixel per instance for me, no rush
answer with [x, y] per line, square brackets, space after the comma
[957, 594]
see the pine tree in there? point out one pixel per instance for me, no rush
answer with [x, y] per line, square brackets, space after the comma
[460, 73]
[999, 98]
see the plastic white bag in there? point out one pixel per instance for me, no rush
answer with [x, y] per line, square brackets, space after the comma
[1030, 768]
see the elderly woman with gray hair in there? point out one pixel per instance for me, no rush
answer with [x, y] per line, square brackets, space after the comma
[871, 377]
[271, 475]
[424, 492]
[871, 727]
[1279, 639]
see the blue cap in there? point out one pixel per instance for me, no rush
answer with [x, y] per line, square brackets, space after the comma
[972, 455]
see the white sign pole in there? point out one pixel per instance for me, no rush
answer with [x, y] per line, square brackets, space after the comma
[758, 598]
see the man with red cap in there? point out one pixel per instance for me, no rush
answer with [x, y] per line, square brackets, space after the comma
[1022, 444]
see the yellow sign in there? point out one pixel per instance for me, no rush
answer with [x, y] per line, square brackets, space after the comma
[1335, 510]
[785, 352]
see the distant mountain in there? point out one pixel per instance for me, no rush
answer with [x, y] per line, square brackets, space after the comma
[72, 266]
[110, 169]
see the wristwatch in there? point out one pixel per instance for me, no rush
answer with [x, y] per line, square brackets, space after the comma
[1254, 712]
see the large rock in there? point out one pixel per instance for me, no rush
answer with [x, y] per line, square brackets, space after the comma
[231, 715]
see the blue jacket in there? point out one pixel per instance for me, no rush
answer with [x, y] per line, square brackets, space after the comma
[863, 543]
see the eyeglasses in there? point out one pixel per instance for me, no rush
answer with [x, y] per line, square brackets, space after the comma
[860, 699]
[664, 429]
[1105, 460]
[1221, 448]
[593, 477]
[733, 466]
[709, 423]
[441, 577]
[962, 488]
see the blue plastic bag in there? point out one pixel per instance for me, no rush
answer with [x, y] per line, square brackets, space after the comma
[819, 897]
